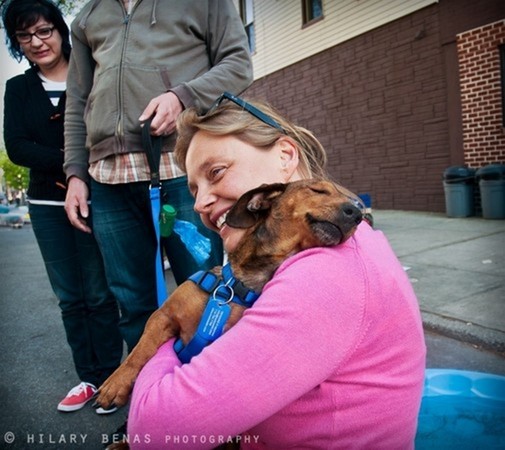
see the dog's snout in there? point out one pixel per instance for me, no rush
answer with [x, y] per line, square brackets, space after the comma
[351, 213]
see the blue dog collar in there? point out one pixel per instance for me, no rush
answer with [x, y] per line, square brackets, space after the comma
[222, 291]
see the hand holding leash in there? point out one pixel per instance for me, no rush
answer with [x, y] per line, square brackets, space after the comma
[164, 111]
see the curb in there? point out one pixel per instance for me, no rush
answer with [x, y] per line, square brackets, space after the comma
[471, 333]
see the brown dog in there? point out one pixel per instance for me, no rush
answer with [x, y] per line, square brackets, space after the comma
[280, 220]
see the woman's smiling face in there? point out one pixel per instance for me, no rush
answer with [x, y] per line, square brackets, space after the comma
[222, 168]
[45, 53]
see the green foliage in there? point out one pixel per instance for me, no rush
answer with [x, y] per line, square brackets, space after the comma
[70, 7]
[15, 177]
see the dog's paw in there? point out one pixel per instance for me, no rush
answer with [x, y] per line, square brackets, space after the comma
[116, 389]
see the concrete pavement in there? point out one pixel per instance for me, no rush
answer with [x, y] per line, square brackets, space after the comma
[457, 269]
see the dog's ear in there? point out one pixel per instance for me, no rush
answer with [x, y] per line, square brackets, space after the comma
[254, 205]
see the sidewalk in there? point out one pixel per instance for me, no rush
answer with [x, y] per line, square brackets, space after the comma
[457, 269]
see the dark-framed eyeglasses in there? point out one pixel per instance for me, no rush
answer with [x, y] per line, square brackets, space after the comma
[24, 37]
[260, 115]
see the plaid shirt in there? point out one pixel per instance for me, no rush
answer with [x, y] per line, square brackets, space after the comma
[131, 168]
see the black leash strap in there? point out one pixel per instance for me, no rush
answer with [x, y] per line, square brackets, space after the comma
[152, 147]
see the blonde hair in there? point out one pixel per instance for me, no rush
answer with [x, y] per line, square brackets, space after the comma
[231, 119]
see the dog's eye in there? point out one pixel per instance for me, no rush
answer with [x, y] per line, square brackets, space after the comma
[320, 191]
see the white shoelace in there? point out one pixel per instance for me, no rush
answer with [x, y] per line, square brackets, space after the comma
[80, 388]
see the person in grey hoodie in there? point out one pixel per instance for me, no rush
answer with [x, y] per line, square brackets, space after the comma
[133, 60]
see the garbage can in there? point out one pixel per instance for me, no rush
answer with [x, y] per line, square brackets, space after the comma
[367, 211]
[458, 187]
[491, 180]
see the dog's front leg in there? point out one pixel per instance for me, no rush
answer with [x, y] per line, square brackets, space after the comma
[179, 315]
[159, 329]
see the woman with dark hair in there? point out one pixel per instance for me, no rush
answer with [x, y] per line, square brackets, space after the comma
[33, 134]
[28, 13]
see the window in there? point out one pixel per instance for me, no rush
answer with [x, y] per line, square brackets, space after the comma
[247, 14]
[312, 10]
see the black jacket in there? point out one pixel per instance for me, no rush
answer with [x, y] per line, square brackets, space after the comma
[33, 134]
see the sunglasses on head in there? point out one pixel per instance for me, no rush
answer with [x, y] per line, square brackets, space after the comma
[260, 115]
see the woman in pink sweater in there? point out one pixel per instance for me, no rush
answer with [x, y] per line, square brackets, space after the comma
[332, 354]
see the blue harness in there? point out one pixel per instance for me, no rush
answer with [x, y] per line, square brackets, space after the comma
[222, 290]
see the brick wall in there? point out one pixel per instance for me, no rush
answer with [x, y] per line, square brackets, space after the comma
[378, 105]
[482, 114]
[386, 105]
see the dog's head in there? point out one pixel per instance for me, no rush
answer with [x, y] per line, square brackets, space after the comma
[283, 219]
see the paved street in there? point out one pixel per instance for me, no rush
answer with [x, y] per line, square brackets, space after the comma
[36, 368]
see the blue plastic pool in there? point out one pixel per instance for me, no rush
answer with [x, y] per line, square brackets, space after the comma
[462, 410]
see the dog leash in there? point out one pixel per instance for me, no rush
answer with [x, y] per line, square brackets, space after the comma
[222, 290]
[152, 147]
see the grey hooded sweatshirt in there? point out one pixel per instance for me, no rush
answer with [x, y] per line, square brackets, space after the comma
[120, 61]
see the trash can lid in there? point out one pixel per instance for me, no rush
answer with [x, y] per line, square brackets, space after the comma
[491, 172]
[458, 172]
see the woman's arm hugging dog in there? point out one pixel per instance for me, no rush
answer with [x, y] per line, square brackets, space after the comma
[279, 220]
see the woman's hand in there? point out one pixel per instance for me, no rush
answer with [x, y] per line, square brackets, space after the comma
[76, 204]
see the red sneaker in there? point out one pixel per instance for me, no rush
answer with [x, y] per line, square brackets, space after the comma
[77, 397]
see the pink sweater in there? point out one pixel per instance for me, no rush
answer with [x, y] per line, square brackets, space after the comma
[331, 356]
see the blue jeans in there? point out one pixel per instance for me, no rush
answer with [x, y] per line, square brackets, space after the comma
[88, 309]
[124, 230]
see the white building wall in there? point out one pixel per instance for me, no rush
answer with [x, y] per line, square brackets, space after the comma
[281, 39]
